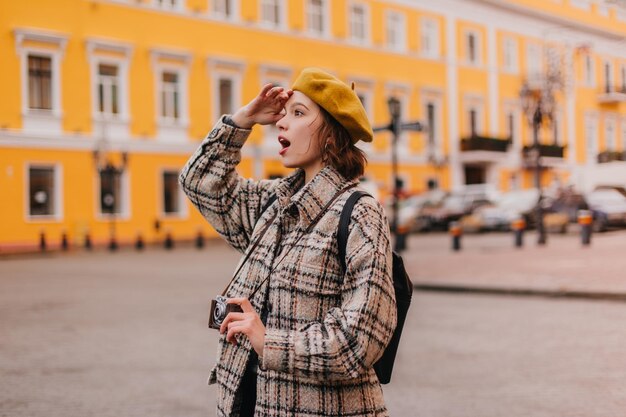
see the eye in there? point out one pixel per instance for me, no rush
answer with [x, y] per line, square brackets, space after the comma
[297, 113]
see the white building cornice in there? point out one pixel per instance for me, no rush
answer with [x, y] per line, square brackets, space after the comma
[55, 39]
[108, 45]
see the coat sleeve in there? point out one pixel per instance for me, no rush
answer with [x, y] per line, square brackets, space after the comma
[352, 337]
[230, 203]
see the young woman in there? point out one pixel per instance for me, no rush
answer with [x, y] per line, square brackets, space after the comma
[309, 332]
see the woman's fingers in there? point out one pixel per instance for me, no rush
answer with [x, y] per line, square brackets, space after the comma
[267, 87]
[231, 317]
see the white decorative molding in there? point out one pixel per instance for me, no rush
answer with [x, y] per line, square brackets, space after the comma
[57, 40]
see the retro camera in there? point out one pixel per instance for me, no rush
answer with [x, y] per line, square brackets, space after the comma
[219, 310]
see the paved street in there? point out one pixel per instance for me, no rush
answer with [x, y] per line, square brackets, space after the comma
[124, 335]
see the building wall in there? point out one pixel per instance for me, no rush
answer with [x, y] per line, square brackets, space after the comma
[143, 38]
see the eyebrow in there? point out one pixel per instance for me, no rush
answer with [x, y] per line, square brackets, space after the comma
[299, 103]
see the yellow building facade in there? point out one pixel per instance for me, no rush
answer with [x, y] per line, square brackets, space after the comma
[104, 100]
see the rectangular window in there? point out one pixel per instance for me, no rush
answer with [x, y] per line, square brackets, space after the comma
[171, 193]
[226, 96]
[395, 31]
[556, 126]
[41, 191]
[110, 190]
[270, 12]
[108, 89]
[223, 7]
[510, 55]
[589, 71]
[533, 59]
[358, 22]
[170, 95]
[39, 82]
[473, 53]
[608, 77]
[591, 138]
[510, 124]
[623, 79]
[315, 16]
[429, 36]
[168, 4]
[609, 135]
[430, 117]
[473, 121]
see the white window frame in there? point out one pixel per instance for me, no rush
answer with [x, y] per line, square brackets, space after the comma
[581, 4]
[183, 212]
[510, 55]
[366, 22]
[220, 15]
[429, 29]
[478, 47]
[58, 214]
[178, 7]
[114, 126]
[282, 15]
[125, 207]
[512, 107]
[610, 121]
[610, 81]
[171, 129]
[434, 97]
[42, 121]
[224, 68]
[534, 60]
[325, 13]
[399, 31]
[589, 71]
[476, 103]
[591, 146]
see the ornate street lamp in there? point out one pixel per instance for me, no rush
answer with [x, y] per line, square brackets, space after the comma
[109, 174]
[534, 106]
[396, 127]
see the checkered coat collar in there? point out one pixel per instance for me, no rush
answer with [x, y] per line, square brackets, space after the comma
[309, 199]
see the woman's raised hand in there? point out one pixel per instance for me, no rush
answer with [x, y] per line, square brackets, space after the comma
[264, 109]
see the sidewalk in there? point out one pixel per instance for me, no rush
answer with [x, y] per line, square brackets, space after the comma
[490, 263]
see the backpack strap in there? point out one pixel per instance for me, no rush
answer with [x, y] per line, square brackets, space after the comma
[344, 222]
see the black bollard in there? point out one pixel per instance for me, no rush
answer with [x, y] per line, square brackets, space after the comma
[42, 241]
[518, 225]
[64, 243]
[139, 244]
[169, 242]
[113, 244]
[401, 236]
[585, 220]
[199, 240]
[456, 232]
[88, 245]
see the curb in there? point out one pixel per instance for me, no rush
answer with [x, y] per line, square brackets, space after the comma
[522, 292]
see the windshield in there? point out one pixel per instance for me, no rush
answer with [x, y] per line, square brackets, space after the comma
[606, 197]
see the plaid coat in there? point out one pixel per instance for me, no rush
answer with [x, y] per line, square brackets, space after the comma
[324, 329]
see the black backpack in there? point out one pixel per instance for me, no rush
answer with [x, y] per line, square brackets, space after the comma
[401, 283]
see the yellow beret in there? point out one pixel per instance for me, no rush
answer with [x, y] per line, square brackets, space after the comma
[338, 99]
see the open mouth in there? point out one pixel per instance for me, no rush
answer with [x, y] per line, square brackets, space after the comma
[284, 143]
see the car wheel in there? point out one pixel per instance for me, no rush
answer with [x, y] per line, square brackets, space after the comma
[599, 225]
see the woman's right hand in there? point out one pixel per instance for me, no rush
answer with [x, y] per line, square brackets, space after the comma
[264, 109]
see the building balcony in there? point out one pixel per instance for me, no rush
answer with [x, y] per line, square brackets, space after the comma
[545, 151]
[485, 143]
[612, 94]
[610, 156]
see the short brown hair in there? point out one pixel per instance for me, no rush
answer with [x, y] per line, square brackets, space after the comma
[340, 153]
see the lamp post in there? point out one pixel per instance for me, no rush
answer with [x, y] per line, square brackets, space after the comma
[535, 107]
[396, 126]
[108, 174]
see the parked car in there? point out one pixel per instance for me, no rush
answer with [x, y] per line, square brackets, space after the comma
[452, 208]
[609, 206]
[409, 208]
[563, 209]
[500, 214]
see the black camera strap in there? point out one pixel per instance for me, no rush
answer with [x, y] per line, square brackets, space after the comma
[267, 226]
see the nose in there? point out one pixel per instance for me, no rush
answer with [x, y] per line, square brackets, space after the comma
[281, 124]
